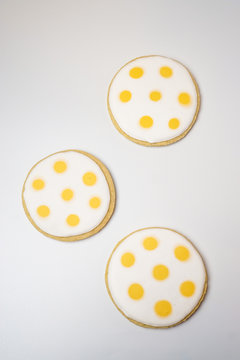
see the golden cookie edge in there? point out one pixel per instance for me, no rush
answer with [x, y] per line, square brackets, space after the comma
[160, 143]
[143, 324]
[106, 218]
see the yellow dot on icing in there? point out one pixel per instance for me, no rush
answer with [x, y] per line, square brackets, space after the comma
[173, 123]
[136, 72]
[38, 184]
[160, 272]
[95, 202]
[150, 243]
[128, 259]
[125, 96]
[187, 288]
[135, 291]
[67, 194]
[146, 121]
[181, 253]
[166, 71]
[89, 178]
[43, 210]
[60, 166]
[184, 98]
[163, 308]
[155, 95]
[73, 220]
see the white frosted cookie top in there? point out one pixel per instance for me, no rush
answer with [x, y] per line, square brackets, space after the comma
[153, 99]
[66, 194]
[156, 277]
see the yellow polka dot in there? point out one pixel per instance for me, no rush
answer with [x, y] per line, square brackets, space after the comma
[160, 272]
[127, 259]
[163, 308]
[150, 243]
[173, 123]
[155, 95]
[125, 96]
[166, 71]
[181, 253]
[38, 184]
[73, 220]
[135, 291]
[43, 211]
[60, 166]
[95, 202]
[67, 194]
[184, 99]
[187, 288]
[136, 72]
[146, 121]
[89, 178]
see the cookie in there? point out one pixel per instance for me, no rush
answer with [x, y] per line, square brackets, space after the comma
[69, 195]
[156, 277]
[153, 100]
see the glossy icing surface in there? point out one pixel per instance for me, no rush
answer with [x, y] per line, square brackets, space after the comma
[153, 99]
[66, 194]
[156, 277]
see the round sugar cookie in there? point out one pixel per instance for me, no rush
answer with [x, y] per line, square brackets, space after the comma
[69, 195]
[153, 100]
[156, 277]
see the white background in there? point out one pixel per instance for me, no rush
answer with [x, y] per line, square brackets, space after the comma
[57, 59]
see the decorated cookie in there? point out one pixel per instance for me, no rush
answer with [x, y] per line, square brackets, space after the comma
[153, 100]
[156, 277]
[69, 195]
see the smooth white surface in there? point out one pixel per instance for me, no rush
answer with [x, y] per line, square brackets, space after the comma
[120, 277]
[128, 114]
[57, 59]
[77, 165]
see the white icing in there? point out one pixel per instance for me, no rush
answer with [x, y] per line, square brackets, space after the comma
[127, 114]
[120, 278]
[77, 165]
